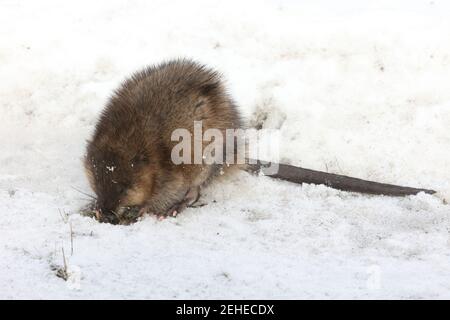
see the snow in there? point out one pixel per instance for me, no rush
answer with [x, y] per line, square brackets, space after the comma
[357, 88]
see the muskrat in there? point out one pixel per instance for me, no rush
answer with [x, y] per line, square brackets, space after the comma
[128, 160]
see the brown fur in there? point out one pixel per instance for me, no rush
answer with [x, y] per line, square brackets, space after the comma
[128, 160]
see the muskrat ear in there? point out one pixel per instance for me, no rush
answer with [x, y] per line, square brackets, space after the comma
[210, 88]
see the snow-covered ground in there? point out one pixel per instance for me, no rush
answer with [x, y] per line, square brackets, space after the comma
[355, 87]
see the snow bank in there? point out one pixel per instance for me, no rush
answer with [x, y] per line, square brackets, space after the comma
[358, 89]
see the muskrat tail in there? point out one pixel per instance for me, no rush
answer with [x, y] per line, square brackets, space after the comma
[336, 181]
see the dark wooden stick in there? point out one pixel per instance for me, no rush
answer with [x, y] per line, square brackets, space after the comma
[336, 181]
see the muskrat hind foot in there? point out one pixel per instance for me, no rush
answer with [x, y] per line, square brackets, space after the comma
[190, 198]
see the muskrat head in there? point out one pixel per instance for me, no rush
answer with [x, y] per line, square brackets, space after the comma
[118, 180]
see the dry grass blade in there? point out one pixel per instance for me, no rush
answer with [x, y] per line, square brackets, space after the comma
[71, 239]
[62, 272]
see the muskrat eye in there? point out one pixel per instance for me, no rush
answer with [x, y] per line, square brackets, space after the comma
[121, 189]
[138, 160]
[118, 187]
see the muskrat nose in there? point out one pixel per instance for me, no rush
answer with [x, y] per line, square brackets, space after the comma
[103, 214]
[107, 216]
